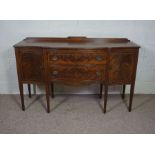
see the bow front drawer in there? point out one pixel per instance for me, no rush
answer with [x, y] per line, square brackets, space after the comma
[76, 57]
[77, 72]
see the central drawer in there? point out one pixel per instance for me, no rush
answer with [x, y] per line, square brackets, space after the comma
[76, 56]
[71, 73]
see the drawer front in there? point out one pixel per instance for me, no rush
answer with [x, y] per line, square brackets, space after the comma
[77, 57]
[77, 73]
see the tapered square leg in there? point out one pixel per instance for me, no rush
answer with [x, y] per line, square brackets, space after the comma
[47, 98]
[52, 90]
[29, 90]
[101, 88]
[105, 97]
[131, 96]
[22, 95]
[123, 92]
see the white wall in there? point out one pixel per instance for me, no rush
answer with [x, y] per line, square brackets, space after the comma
[142, 32]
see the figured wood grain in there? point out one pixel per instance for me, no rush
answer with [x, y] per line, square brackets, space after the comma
[77, 61]
[122, 66]
[31, 64]
[77, 73]
[77, 56]
[77, 43]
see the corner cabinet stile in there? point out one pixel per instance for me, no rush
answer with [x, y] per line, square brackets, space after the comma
[76, 61]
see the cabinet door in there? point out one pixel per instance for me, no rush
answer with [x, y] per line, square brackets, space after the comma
[122, 66]
[31, 64]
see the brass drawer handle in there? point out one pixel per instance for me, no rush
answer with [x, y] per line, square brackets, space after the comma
[98, 73]
[99, 58]
[55, 58]
[55, 72]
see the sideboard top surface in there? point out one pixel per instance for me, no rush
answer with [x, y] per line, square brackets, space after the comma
[77, 43]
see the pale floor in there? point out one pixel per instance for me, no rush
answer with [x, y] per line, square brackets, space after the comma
[77, 114]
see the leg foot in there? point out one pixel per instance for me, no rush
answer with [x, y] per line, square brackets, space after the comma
[105, 98]
[47, 98]
[29, 90]
[101, 88]
[123, 92]
[52, 90]
[22, 96]
[131, 96]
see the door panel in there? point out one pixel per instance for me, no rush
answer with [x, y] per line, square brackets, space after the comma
[31, 64]
[122, 66]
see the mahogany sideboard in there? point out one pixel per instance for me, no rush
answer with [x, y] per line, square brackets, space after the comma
[77, 61]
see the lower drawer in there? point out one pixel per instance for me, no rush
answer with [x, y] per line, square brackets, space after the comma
[77, 73]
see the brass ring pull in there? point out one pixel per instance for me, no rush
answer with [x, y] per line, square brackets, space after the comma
[55, 58]
[55, 72]
[99, 58]
[98, 73]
